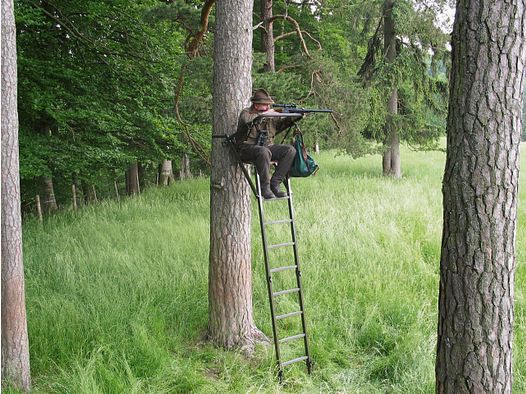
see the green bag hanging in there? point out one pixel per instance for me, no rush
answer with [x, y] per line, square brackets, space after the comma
[303, 164]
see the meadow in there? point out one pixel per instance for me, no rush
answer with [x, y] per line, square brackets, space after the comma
[117, 292]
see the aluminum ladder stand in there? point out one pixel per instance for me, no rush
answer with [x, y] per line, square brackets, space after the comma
[273, 295]
[256, 189]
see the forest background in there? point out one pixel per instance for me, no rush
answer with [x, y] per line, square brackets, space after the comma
[112, 92]
[110, 89]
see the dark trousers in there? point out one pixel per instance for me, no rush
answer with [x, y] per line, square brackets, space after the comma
[261, 156]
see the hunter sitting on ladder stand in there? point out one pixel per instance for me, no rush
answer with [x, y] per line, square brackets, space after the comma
[254, 141]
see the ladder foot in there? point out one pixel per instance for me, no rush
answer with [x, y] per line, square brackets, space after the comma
[310, 364]
[280, 376]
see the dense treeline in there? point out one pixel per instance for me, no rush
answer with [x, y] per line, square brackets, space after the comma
[108, 88]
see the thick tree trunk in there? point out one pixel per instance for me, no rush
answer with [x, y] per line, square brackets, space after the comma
[166, 174]
[50, 203]
[89, 194]
[85, 192]
[267, 35]
[15, 344]
[391, 158]
[185, 172]
[474, 350]
[231, 323]
[132, 179]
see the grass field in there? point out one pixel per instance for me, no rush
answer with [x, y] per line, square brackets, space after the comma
[117, 293]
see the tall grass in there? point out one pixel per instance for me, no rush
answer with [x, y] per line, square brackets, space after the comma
[117, 293]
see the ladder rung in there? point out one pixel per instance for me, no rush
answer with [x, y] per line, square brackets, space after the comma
[281, 245]
[279, 317]
[292, 338]
[288, 267]
[276, 199]
[278, 222]
[302, 358]
[278, 293]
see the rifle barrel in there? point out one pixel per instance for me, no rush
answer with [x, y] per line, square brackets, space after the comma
[291, 105]
[307, 110]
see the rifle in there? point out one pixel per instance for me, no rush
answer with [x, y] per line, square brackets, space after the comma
[283, 111]
[293, 109]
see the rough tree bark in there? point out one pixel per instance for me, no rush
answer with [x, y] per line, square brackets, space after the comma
[167, 174]
[391, 158]
[231, 322]
[132, 179]
[267, 35]
[474, 350]
[185, 172]
[15, 344]
[50, 202]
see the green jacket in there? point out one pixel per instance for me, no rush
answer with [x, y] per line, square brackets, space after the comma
[247, 133]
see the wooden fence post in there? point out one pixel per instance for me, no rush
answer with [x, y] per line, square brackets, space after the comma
[74, 191]
[39, 208]
[94, 193]
[117, 190]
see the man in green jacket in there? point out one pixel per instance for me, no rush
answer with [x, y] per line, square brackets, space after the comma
[257, 126]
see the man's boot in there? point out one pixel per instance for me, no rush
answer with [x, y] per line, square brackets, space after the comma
[266, 192]
[274, 186]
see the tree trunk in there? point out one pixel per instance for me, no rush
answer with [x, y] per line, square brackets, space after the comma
[231, 323]
[391, 158]
[85, 192]
[132, 179]
[15, 343]
[267, 35]
[141, 176]
[167, 174]
[50, 203]
[477, 266]
[185, 172]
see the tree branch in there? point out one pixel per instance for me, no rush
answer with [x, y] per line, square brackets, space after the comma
[290, 33]
[193, 46]
[296, 27]
[335, 120]
[184, 126]
[369, 62]
[192, 50]
[286, 67]
[63, 22]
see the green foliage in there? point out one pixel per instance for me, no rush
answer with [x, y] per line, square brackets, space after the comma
[329, 77]
[422, 98]
[96, 88]
[130, 314]
[98, 80]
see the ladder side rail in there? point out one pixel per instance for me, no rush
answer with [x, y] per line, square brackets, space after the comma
[242, 165]
[298, 275]
[268, 274]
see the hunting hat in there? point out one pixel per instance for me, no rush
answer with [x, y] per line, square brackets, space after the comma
[261, 96]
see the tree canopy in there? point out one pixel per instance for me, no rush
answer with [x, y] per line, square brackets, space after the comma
[103, 84]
